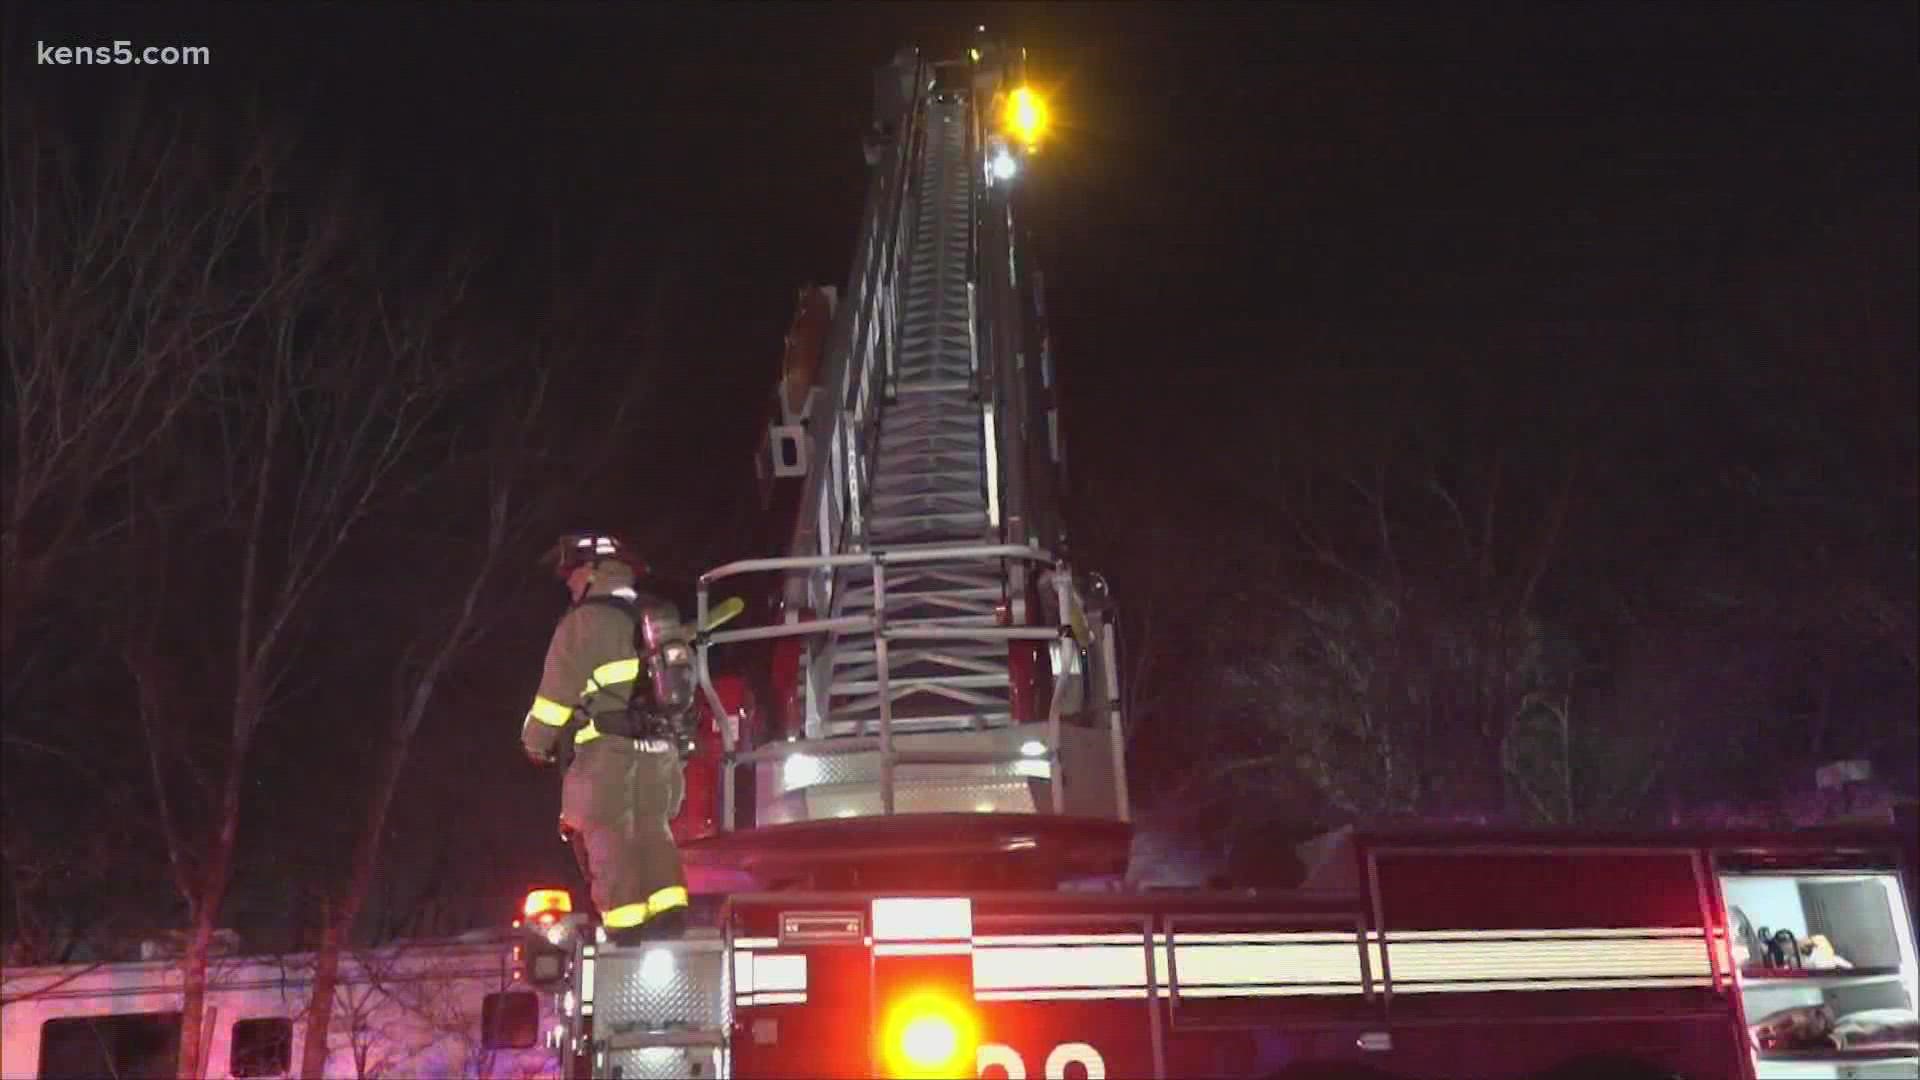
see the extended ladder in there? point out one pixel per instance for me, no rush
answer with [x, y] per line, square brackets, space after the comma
[954, 661]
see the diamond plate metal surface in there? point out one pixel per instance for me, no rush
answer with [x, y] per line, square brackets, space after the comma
[664, 1063]
[1013, 796]
[848, 785]
[865, 769]
[678, 986]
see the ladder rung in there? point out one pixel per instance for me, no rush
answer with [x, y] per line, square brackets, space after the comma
[955, 386]
[900, 685]
[838, 726]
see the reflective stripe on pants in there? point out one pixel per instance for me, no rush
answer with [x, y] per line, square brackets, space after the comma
[619, 800]
[662, 900]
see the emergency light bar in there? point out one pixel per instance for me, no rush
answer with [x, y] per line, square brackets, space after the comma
[546, 906]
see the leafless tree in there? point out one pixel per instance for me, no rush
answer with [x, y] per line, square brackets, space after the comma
[121, 297]
[536, 452]
[194, 360]
[310, 386]
[408, 1008]
[68, 901]
[1386, 654]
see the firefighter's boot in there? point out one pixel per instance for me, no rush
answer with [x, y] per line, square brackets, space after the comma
[627, 937]
[666, 926]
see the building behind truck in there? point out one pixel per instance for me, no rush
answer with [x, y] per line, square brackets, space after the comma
[412, 1008]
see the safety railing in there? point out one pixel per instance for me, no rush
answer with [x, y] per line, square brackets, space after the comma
[877, 626]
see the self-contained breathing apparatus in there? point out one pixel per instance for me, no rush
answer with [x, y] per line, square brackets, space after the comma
[661, 703]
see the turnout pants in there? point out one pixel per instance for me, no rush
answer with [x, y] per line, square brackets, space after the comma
[618, 800]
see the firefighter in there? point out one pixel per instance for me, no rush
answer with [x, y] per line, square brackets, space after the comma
[595, 716]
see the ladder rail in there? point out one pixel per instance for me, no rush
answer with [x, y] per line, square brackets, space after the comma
[825, 508]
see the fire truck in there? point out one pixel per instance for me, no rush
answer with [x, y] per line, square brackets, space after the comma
[908, 824]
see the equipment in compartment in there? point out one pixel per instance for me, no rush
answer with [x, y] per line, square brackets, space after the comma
[1826, 971]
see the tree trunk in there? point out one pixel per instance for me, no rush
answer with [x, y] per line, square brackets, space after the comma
[206, 909]
[366, 856]
[207, 905]
[339, 929]
[193, 978]
[326, 978]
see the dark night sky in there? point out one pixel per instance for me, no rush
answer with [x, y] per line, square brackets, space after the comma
[1236, 187]
[1238, 193]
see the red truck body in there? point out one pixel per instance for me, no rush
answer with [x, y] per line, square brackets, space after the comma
[1464, 955]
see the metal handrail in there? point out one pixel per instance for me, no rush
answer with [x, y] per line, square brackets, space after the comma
[882, 633]
[863, 558]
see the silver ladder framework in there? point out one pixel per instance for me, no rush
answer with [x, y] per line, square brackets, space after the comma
[954, 660]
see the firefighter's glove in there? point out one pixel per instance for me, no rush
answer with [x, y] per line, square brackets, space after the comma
[543, 742]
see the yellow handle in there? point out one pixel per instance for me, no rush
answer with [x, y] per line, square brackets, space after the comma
[725, 612]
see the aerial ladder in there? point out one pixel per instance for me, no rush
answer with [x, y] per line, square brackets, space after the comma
[936, 654]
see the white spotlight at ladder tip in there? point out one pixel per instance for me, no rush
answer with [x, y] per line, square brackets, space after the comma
[657, 968]
[1033, 748]
[800, 771]
[1004, 166]
[983, 808]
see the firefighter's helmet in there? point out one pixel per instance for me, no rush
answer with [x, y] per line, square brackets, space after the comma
[576, 550]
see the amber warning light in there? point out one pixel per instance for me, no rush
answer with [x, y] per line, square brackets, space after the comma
[546, 906]
[1026, 116]
[541, 958]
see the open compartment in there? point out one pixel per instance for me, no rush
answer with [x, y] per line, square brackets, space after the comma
[1824, 963]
